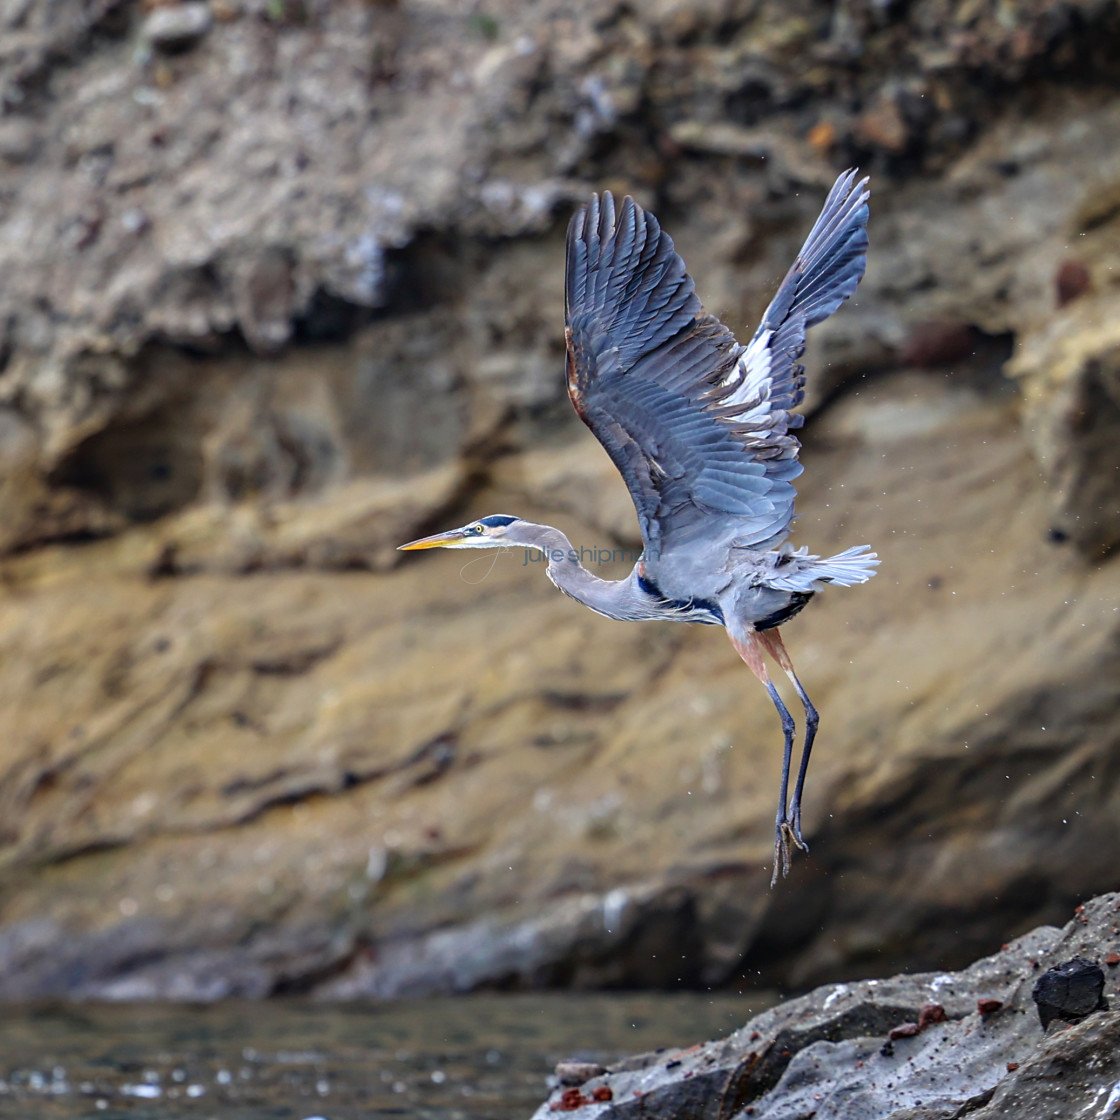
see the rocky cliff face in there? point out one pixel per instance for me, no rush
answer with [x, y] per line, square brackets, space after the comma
[280, 286]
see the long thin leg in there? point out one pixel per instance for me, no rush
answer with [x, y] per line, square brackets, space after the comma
[772, 640]
[749, 648]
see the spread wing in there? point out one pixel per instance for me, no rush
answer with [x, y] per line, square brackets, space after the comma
[698, 425]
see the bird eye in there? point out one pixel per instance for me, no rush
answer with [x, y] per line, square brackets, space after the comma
[478, 528]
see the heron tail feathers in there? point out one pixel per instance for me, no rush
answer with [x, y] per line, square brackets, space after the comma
[797, 570]
[853, 565]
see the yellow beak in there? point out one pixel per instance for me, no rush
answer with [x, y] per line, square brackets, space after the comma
[438, 541]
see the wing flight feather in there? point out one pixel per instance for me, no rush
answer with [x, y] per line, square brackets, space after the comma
[698, 425]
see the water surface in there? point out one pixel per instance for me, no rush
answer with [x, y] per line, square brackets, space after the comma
[472, 1058]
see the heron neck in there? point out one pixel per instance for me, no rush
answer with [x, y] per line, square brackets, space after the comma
[607, 597]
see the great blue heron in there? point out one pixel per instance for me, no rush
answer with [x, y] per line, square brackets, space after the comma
[700, 428]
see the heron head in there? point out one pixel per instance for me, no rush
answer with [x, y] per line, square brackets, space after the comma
[487, 532]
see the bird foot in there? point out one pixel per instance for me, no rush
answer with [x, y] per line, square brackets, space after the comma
[785, 833]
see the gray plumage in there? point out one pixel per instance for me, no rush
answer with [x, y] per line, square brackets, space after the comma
[701, 429]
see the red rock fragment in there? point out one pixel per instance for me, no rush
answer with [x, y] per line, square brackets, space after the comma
[570, 1100]
[930, 1014]
[936, 343]
[1112, 960]
[1012, 1067]
[988, 1006]
[1072, 280]
[602, 1093]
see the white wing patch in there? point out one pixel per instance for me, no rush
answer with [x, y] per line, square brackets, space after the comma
[749, 400]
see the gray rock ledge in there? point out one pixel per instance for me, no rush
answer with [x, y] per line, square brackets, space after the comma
[829, 1055]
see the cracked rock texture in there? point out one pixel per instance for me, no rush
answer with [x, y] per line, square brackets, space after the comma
[280, 287]
[836, 1053]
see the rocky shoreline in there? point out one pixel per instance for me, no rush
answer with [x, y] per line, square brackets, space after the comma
[931, 1046]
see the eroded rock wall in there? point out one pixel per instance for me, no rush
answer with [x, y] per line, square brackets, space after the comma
[280, 286]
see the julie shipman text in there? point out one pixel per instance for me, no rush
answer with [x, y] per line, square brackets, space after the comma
[586, 556]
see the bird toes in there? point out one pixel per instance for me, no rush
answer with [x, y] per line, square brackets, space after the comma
[781, 859]
[782, 838]
[795, 831]
[786, 833]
